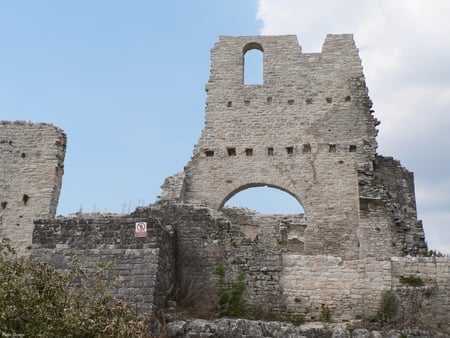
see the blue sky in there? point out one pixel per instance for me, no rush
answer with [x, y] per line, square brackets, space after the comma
[125, 80]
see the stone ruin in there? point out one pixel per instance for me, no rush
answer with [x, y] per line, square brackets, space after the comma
[308, 129]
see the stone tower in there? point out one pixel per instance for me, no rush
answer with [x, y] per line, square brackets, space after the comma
[31, 170]
[308, 130]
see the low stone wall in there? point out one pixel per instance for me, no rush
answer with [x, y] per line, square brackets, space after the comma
[187, 246]
[145, 266]
[422, 287]
[327, 286]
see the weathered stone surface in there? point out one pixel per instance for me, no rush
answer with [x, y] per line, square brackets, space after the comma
[31, 169]
[239, 328]
[309, 130]
[145, 266]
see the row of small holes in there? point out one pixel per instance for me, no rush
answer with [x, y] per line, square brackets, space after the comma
[291, 101]
[289, 150]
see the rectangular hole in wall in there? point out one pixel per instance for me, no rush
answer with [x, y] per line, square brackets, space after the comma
[331, 148]
[247, 102]
[231, 151]
[329, 99]
[229, 104]
[209, 153]
[248, 151]
[291, 102]
[269, 99]
[270, 151]
[308, 101]
[289, 150]
[348, 98]
[306, 148]
[352, 148]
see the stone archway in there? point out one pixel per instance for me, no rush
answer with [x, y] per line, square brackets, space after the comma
[258, 185]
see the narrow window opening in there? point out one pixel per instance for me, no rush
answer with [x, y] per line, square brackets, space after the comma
[308, 101]
[269, 99]
[348, 98]
[270, 151]
[331, 148]
[289, 150]
[352, 148]
[291, 102]
[329, 99]
[229, 104]
[247, 102]
[249, 152]
[306, 148]
[253, 64]
[231, 151]
[209, 153]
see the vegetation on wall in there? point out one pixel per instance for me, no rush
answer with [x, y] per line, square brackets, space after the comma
[411, 281]
[388, 308]
[38, 301]
[230, 298]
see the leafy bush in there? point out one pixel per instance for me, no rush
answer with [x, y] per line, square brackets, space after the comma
[38, 301]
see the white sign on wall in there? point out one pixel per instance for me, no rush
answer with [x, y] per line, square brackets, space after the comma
[141, 229]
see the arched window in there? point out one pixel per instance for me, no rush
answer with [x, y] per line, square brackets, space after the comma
[266, 200]
[253, 64]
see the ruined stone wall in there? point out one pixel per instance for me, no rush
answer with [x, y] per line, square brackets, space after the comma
[187, 245]
[31, 170]
[305, 130]
[388, 224]
[145, 266]
[308, 130]
[422, 287]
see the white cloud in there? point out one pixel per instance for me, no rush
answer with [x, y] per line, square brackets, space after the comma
[405, 50]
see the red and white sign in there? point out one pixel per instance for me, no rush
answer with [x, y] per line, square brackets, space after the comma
[141, 229]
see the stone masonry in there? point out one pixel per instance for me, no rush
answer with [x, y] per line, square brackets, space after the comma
[31, 170]
[307, 129]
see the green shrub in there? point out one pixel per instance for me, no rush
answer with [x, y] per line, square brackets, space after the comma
[38, 301]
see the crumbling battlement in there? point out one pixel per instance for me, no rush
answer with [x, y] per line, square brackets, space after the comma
[31, 170]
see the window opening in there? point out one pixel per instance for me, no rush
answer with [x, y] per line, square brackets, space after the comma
[270, 151]
[229, 104]
[209, 153]
[253, 64]
[352, 148]
[332, 148]
[249, 151]
[289, 150]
